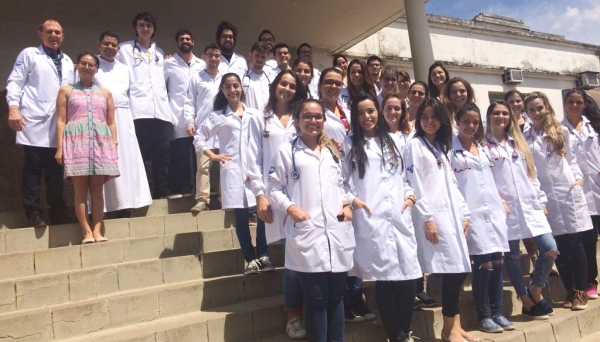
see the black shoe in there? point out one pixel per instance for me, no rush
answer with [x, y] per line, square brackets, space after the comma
[419, 304]
[352, 317]
[535, 312]
[362, 310]
[426, 299]
[35, 220]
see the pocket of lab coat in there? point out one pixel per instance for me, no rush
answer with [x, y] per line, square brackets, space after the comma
[360, 218]
[230, 176]
[577, 194]
[344, 234]
[302, 234]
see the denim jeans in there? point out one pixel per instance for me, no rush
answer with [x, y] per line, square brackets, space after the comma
[292, 290]
[242, 231]
[395, 302]
[542, 267]
[590, 240]
[451, 285]
[323, 305]
[571, 261]
[487, 285]
[353, 293]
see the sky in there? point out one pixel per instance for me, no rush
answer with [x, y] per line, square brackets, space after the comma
[577, 20]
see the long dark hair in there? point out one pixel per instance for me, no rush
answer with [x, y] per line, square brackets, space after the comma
[366, 87]
[591, 110]
[443, 137]
[301, 92]
[471, 107]
[358, 156]
[221, 102]
[432, 88]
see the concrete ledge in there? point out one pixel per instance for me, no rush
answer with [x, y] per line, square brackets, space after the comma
[32, 326]
[16, 265]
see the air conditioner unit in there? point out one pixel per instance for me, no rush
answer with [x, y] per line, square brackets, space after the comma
[512, 76]
[588, 80]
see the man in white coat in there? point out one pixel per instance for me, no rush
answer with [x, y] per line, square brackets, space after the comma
[230, 61]
[198, 105]
[178, 71]
[130, 190]
[256, 81]
[152, 114]
[266, 37]
[282, 56]
[31, 93]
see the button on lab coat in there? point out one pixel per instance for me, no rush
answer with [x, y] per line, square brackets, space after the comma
[386, 246]
[237, 65]
[232, 132]
[177, 78]
[260, 160]
[148, 92]
[33, 86]
[522, 195]
[321, 243]
[438, 200]
[487, 229]
[586, 147]
[567, 208]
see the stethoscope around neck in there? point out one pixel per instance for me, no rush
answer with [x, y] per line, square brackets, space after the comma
[246, 79]
[137, 46]
[295, 174]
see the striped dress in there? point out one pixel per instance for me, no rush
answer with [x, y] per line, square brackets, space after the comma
[88, 147]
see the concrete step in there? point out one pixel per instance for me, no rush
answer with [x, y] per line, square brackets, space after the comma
[69, 320]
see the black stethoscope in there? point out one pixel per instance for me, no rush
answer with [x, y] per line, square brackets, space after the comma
[140, 57]
[246, 79]
[295, 174]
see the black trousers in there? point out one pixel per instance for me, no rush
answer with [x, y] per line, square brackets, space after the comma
[451, 285]
[571, 261]
[395, 301]
[182, 168]
[589, 239]
[154, 137]
[38, 159]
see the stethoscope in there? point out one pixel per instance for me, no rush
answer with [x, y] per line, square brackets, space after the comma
[246, 79]
[139, 52]
[466, 164]
[549, 146]
[437, 160]
[295, 174]
[514, 155]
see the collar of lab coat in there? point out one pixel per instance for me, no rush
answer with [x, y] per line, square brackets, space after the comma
[206, 76]
[183, 63]
[492, 139]
[230, 111]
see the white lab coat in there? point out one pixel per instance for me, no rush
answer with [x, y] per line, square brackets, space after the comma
[522, 195]
[130, 190]
[237, 65]
[313, 86]
[232, 132]
[386, 246]
[200, 98]
[33, 86]
[148, 92]
[177, 78]
[271, 67]
[260, 161]
[256, 88]
[335, 127]
[321, 243]
[344, 99]
[487, 229]
[438, 200]
[567, 208]
[586, 147]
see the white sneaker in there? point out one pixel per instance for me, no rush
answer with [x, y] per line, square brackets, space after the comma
[252, 267]
[200, 206]
[295, 329]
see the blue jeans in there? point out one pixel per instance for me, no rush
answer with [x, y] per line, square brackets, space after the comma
[487, 285]
[544, 243]
[353, 293]
[242, 231]
[324, 307]
[292, 290]
[572, 261]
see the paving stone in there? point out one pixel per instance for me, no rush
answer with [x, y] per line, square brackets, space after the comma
[180, 223]
[181, 244]
[65, 235]
[2, 242]
[224, 291]
[116, 228]
[268, 321]
[197, 332]
[213, 220]
[143, 248]
[262, 285]
[44, 290]
[8, 301]
[27, 327]
[539, 331]
[101, 254]
[216, 240]
[93, 282]
[139, 274]
[26, 239]
[55, 260]
[565, 327]
[180, 300]
[17, 265]
[147, 226]
[222, 263]
[79, 320]
[233, 327]
[589, 320]
[133, 309]
[181, 269]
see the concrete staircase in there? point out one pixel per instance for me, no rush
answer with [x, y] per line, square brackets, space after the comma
[171, 276]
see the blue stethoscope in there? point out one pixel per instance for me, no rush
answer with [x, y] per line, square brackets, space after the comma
[295, 174]
[136, 46]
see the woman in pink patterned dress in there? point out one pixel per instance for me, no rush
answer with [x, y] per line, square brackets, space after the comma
[87, 146]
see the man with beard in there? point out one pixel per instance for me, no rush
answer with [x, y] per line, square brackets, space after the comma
[256, 82]
[230, 61]
[178, 72]
[152, 114]
[267, 38]
[374, 64]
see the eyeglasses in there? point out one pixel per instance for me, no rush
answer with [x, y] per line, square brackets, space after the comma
[331, 83]
[87, 65]
[266, 40]
[227, 36]
[308, 117]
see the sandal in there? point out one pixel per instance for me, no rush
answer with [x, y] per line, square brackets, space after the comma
[101, 239]
[87, 241]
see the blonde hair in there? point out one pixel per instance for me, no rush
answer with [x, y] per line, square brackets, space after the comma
[551, 126]
[513, 130]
